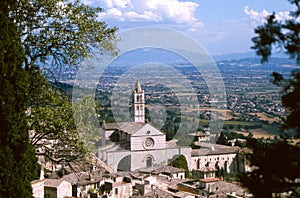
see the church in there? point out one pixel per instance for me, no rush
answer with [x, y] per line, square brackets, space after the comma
[135, 145]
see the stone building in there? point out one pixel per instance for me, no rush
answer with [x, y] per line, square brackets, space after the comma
[134, 145]
[57, 188]
[213, 157]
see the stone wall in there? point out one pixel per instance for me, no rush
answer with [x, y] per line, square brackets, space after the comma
[229, 162]
[38, 188]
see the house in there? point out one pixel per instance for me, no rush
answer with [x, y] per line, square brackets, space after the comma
[164, 170]
[38, 188]
[117, 187]
[84, 183]
[173, 172]
[201, 136]
[57, 188]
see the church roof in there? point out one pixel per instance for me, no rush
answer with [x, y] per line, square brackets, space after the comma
[128, 127]
[134, 128]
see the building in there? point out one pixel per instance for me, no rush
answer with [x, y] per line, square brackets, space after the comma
[134, 145]
[210, 157]
[38, 188]
[57, 188]
[201, 136]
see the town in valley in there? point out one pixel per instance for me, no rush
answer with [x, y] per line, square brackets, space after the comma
[135, 158]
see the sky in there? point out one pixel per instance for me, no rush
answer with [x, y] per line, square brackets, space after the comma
[220, 26]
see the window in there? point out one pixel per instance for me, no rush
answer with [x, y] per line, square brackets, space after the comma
[116, 191]
[149, 162]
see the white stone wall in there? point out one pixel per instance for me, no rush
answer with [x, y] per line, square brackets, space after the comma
[122, 191]
[179, 175]
[212, 160]
[138, 159]
[108, 133]
[64, 189]
[138, 143]
[38, 188]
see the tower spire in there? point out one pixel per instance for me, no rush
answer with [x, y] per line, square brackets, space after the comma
[138, 87]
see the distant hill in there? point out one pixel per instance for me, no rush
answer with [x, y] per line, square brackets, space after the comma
[250, 54]
[234, 56]
[145, 55]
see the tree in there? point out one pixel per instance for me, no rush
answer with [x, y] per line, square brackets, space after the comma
[276, 170]
[276, 165]
[179, 161]
[60, 32]
[39, 34]
[56, 34]
[51, 123]
[222, 139]
[18, 162]
[283, 35]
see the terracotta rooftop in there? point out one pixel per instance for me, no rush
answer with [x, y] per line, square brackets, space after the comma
[168, 169]
[209, 180]
[161, 169]
[54, 183]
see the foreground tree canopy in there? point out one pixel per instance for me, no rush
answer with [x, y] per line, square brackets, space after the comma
[18, 161]
[284, 35]
[276, 166]
[60, 32]
[276, 170]
[57, 33]
[34, 35]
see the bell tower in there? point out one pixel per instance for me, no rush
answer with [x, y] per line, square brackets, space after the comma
[138, 103]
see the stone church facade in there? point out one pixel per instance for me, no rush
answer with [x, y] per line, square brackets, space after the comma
[135, 145]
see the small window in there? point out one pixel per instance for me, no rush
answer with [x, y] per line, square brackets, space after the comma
[148, 132]
[116, 191]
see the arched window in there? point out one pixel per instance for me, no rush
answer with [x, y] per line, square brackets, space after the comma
[198, 164]
[226, 167]
[149, 161]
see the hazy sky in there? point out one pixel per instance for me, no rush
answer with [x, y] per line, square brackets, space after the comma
[220, 26]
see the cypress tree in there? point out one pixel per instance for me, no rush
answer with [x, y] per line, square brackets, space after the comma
[18, 161]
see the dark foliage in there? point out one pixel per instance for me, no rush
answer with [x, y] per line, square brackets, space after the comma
[276, 169]
[277, 165]
[180, 162]
[222, 139]
[18, 161]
